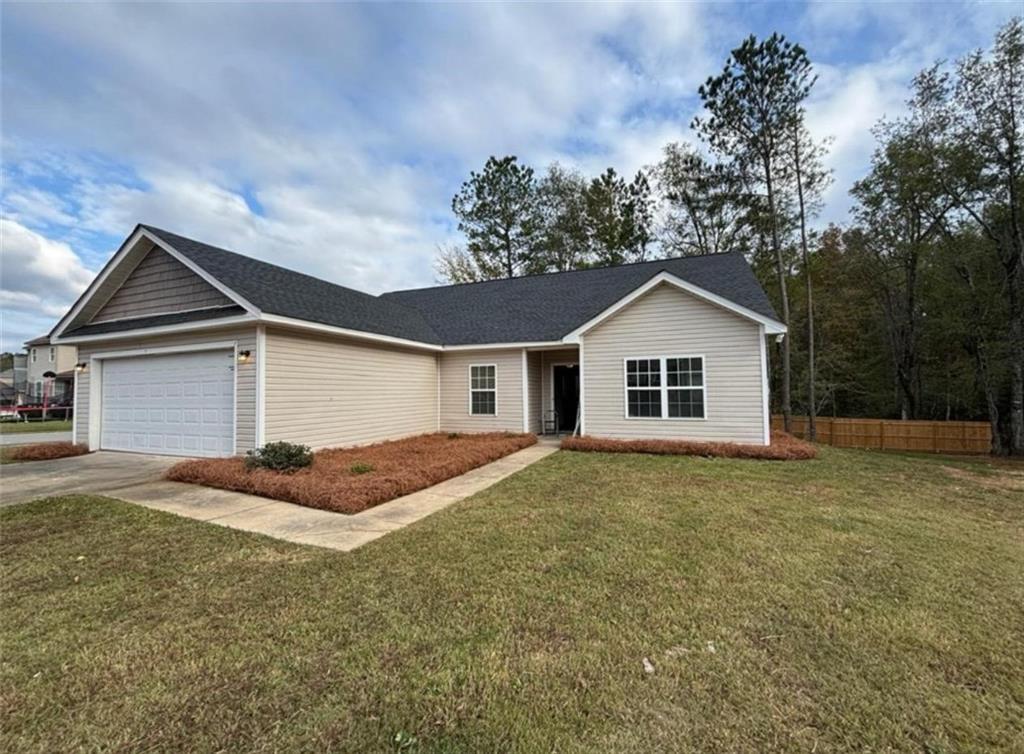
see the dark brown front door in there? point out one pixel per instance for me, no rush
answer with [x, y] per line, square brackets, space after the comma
[567, 395]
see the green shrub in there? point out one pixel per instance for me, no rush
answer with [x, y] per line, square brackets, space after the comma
[279, 456]
[361, 468]
[453, 435]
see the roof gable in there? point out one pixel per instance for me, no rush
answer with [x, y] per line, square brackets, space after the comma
[159, 284]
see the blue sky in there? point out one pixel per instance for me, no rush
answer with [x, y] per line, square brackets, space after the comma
[330, 138]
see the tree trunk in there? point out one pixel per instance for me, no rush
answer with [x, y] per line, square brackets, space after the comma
[811, 402]
[780, 268]
[1016, 365]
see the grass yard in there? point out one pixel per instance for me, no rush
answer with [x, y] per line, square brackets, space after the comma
[860, 602]
[51, 425]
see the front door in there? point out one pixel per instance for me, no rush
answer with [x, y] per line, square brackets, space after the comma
[567, 395]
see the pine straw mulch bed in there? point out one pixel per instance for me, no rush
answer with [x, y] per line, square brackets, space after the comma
[334, 482]
[783, 448]
[45, 451]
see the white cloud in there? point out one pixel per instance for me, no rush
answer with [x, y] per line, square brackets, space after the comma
[39, 278]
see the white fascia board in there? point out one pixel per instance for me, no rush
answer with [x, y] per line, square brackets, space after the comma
[118, 258]
[145, 332]
[772, 327]
[301, 324]
[506, 346]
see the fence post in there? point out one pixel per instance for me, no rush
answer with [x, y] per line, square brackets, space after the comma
[881, 435]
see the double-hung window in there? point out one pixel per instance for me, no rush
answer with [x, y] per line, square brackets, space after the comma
[53, 353]
[643, 387]
[665, 387]
[483, 390]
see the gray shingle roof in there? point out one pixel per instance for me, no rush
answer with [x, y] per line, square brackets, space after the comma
[547, 307]
[275, 290]
[526, 309]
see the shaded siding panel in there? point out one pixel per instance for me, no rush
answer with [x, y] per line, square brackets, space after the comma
[245, 386]
[670, 322]
[534, 372]
[455, 416]
[327, 392]
[158, 285]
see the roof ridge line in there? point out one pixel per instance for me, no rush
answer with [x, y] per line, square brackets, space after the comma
[553, 273]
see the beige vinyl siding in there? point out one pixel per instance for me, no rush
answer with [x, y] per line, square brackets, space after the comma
[455, 416]
[549, 358]
[325, 392]
[158, 285]
[245, 386]
[534, 371]
[670, 322]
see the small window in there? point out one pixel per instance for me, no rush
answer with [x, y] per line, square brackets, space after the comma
[33, 356]
[670, 387]
[53, 353]
[483, 390]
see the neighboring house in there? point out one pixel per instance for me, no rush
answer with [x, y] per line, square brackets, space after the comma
[193, 350]
[13, 381]
[45, 358]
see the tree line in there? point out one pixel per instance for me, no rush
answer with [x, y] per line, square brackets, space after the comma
[912, 308]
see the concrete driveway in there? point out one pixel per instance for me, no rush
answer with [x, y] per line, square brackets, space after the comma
[104, 472]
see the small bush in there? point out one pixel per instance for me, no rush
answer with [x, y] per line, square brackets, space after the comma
[361, 468]
[783, 448]
[44, 451]
[279, 456]
[453, 435]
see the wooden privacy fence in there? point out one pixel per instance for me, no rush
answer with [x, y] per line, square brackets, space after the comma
[885, 434]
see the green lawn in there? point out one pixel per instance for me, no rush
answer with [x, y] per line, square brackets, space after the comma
[861, 602]
[51, 425]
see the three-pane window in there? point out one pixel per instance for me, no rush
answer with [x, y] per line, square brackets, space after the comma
[483, 390]
[665, 387]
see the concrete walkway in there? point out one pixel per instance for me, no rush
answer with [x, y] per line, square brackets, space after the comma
[28, 438]
[139, 479]
[308, 526]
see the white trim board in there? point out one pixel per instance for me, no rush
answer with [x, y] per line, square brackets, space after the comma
[145, 332]
[765, 390]
[771, 326]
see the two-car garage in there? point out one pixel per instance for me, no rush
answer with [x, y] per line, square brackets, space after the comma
[170, 403]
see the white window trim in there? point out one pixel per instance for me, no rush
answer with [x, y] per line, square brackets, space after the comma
[664, 387]
[34, 355]
[52, 354]
[469, 375]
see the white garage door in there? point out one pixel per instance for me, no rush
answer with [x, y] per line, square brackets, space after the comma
[173, 404]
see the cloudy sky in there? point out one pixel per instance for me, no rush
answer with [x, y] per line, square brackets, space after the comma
[330, 138]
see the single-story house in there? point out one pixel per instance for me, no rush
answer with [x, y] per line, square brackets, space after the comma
[189, 349]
